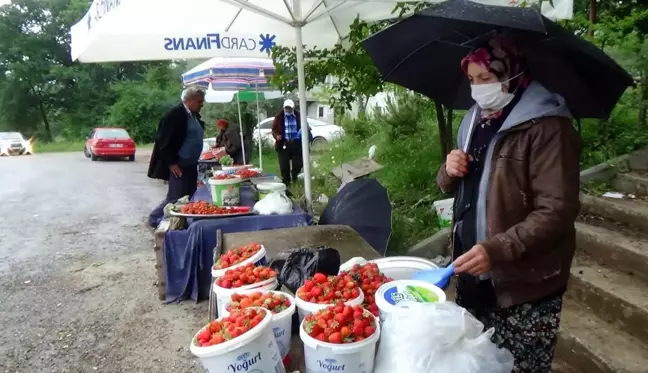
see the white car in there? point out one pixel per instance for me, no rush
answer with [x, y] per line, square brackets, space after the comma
[323, 133]
[14, 143]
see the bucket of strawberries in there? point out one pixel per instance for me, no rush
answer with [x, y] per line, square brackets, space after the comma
[370, 279]
[240, 256]
[280, 304]
[243, 278]
[323, 291]
[241, 341]
[340, 338]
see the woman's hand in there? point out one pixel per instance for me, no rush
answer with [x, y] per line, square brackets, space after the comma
[474, 262]
[457, 163]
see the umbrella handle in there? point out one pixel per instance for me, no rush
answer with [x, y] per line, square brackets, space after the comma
[470, 131]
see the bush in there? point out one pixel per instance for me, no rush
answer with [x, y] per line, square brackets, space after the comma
[406, 138]
[621, 134]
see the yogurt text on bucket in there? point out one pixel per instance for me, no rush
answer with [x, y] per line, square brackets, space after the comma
[245, 364]
[330, 365]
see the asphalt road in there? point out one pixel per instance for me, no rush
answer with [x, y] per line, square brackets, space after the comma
[77, 273]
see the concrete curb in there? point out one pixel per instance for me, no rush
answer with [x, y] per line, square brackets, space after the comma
[431, 247]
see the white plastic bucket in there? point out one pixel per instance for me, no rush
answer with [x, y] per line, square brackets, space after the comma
[403, 267]
[255, 351]
[224, 296]
[267, 188]
[304, 308]
[444, 211]
[258, 259]
[321, 357]
[401, 292]
[281, 322]
[225, 192]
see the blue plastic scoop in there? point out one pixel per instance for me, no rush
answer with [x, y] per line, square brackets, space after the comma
[438, 277]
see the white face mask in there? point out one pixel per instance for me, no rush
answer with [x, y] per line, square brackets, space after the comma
[490, 96]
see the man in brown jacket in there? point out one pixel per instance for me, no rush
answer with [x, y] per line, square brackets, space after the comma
[516, 188]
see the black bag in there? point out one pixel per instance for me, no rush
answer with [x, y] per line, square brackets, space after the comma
[302, 263]
[295, 266]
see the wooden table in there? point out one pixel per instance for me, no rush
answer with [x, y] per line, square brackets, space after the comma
[341, 237]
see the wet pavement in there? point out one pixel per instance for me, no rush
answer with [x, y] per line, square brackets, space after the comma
[77, 276]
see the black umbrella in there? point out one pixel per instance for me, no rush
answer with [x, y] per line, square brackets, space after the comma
[363, 205]
[423, 53]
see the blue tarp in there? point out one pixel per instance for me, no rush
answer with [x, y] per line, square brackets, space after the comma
[189, 253]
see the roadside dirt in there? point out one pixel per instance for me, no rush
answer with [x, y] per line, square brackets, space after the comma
[77, 271]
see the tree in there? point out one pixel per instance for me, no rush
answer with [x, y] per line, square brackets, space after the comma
[355, 77]
[28, 51]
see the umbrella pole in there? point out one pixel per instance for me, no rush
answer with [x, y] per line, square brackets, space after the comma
[238, 104]
[301, 82]
[256, 87]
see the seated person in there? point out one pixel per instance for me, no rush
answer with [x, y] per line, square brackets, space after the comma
[229, 139]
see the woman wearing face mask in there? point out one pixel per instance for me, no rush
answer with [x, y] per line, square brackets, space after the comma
[516, 199]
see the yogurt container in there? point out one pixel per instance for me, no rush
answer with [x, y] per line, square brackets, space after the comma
[400, 293]
[444, 211]
[323, 357]
[281, 322]
[224, 296]
[259, 259]
[403, 267]
[255, 351]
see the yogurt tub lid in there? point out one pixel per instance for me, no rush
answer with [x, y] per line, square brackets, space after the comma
[400, 292]
[271, 186]
[404, 261]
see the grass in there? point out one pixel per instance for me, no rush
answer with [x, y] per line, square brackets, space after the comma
[597, 187]
[408, 175]
[58, 146]
[67, 146]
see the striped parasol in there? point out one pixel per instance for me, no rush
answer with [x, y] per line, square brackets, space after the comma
[224, 74]
[250, 70]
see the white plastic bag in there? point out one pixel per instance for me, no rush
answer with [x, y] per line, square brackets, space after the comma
[274, 203]
[438, 338]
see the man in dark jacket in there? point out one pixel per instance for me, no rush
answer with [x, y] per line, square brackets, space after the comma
[178, 145]
[230, 139]
[286, 129]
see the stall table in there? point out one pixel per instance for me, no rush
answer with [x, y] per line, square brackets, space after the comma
[341, 237]
[184, 257]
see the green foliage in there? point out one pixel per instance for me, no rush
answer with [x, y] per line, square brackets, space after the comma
[141, 104]
[44, 93]
[355, 76]
[405, 135]
[229, 111]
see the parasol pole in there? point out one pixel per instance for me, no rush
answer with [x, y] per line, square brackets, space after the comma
[238, 104]
[261, 74]
[301, 84]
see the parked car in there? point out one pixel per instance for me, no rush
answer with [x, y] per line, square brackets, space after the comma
[323, 133]
[14, 143]
[109, 143]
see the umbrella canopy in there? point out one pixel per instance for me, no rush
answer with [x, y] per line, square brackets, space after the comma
[364, 205]
[423, 53]
[249, 75]
[140, 30]
[250, 70]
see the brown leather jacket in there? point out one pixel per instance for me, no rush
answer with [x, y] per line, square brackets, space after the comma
[529, 200]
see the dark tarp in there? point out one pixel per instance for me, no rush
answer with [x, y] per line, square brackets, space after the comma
[364, 205]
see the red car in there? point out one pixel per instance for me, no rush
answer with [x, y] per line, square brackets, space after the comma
[109, 143]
